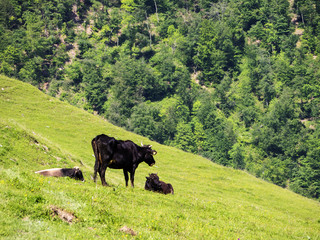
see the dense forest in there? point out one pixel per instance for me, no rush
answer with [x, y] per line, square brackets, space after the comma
[237, 81]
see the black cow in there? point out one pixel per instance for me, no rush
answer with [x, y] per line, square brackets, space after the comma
[153, 183]
[75, 173]
[118, 154]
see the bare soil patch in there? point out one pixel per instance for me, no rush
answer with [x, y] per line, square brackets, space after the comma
[127, 230]
[63, 214]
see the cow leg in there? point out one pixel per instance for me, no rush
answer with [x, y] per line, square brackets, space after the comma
[102, 173]
[96, 169]
[126, 177]
[132, 178]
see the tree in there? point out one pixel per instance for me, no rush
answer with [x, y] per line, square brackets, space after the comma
[199, 135]
[306, 180]
[163, 63]
[306, 83]
[216, 53]
[267, 133]
[260, 73]
[309, 15]
[145, 120]
[74, 73]
[184, 138]
[237, 157]
[31, 71]
[178, 43]
[245, 100]
[133, 81]
[284, 71]
[221, 92]
[219, 135]
[10, 58]
[95, 86]
[274, 170]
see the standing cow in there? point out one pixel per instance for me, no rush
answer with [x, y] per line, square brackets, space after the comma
[118, 154]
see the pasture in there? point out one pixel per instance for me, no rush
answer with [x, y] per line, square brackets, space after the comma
[210, 201]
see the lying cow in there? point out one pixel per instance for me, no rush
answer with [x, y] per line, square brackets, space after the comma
[153, 183]
[75, 173]
[118, 154]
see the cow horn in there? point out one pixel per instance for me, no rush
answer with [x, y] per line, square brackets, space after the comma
[141, 144]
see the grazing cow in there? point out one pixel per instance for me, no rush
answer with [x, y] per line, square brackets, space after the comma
[153, 183]
[75, 173]
[118, 154]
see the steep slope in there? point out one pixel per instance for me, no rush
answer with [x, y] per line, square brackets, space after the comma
[210, 201]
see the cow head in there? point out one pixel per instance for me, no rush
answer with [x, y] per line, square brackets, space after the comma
[77, 174]
[153, 182]
[147, 155]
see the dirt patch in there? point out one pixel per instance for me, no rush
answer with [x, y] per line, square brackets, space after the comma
[298, 31]
[63, 214]
[127, 230]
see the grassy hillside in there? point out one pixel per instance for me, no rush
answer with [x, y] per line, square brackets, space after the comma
[210, 201]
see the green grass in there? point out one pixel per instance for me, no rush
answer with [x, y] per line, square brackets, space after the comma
[210, 201]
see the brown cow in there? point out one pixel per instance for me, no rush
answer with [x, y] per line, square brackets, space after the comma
[153, 183]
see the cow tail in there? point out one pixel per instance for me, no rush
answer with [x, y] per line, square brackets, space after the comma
[97, 164]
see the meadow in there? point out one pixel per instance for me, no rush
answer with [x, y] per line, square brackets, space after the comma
[210, 201]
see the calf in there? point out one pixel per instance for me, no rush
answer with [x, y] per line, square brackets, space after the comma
[153, 183]
[75, 173]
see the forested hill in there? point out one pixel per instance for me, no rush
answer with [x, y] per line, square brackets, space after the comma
[235, 81]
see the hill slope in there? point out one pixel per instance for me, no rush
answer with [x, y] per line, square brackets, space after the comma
[210, 201]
